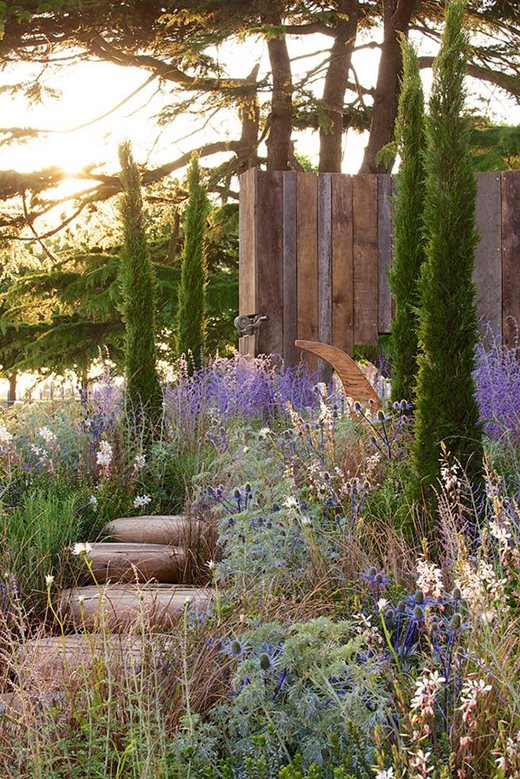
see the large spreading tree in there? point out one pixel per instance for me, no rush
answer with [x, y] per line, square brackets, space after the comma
[177, 46]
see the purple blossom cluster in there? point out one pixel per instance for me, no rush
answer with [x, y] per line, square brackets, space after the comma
[240, 387]
[497, 379]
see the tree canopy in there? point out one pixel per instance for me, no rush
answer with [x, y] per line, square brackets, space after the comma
[178, 45]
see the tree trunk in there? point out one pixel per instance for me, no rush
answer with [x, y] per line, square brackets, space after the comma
[279, 140]
[12, 388]
[331, 135]
[249, 112]
[396, 15]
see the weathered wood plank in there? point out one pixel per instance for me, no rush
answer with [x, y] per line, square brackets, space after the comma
[342, 265]
[384, 250]
[247, 255]
[325, 268]
[269, 251]
[290, 313]
[488, 262]
[364, 199]
[307, 263]
[510, 256]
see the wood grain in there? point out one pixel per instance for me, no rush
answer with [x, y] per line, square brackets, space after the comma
[354, 381]
[510, 256]
[342, 265]
[488, 261]
[128, 562]
[364, 199]
[384, 251]
[307, 270]
[325, 268]
[290, 310]
[247, 255]
[269, 271]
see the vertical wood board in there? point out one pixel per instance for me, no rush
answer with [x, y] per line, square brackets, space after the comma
[325, 268]
[290, 312]
[269, 251]
[342, 265]
[364, 208]
[247, 255]
[307, 263]
[510, 255]
[384, 250]
[488, 261]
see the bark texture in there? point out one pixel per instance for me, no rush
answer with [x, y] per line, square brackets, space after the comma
[336, 80]
[396, 22]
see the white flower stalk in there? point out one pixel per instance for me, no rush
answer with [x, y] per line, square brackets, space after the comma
[81, 549]
[49, 580]
[104, 454]
[141, 501]
[429, 579]
[6, 437]
[47, 435]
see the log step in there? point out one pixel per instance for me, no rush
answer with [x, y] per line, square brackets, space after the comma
[137, 562]
[175, 530]
[52, 656]
[117, 606]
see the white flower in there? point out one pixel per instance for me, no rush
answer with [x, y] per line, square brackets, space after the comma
[104, 454]
[141, 501]
[48, 436]
[93, 502]
[211, 565]
[139, 462]
[80, 549]
[382, 603]
[290, 503]
[81, 599]
[499, 532]
[49, 580]
[306, 521]
[5, 436]
[264, 432]
[429, 578]
[387, 773]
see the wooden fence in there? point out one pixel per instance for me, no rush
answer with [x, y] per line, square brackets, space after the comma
[315, 250]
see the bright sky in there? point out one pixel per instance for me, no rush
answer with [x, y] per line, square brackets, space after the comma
[90, 89]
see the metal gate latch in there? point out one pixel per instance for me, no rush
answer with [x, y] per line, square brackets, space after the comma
[248, 324]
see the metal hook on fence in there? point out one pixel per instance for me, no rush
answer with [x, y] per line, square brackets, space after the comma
[248, 324]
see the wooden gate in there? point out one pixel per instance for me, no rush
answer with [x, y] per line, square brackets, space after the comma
[315, 250]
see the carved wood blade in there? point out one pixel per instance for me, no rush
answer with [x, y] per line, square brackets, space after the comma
[355, 383]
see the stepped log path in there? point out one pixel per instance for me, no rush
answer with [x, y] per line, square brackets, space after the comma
[139, 574]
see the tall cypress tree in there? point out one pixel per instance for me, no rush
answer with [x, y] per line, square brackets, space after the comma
[446, 409]
[138, 300]
[192, 289]
[407, 226]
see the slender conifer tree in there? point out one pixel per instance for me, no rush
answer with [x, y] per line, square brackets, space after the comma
[446, 408]
[138, 301]
[191, 325]
[408, 227]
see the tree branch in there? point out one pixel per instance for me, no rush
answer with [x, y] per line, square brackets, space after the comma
[505, 81]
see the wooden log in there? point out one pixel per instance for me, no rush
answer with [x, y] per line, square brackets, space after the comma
[124, 562]
[173, 530]
[364, 194]
[355, 383]
[307, 248]
[123, 606]
[510, 256]
[342, 265]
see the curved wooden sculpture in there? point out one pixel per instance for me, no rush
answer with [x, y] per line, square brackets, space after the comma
[355, 383]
